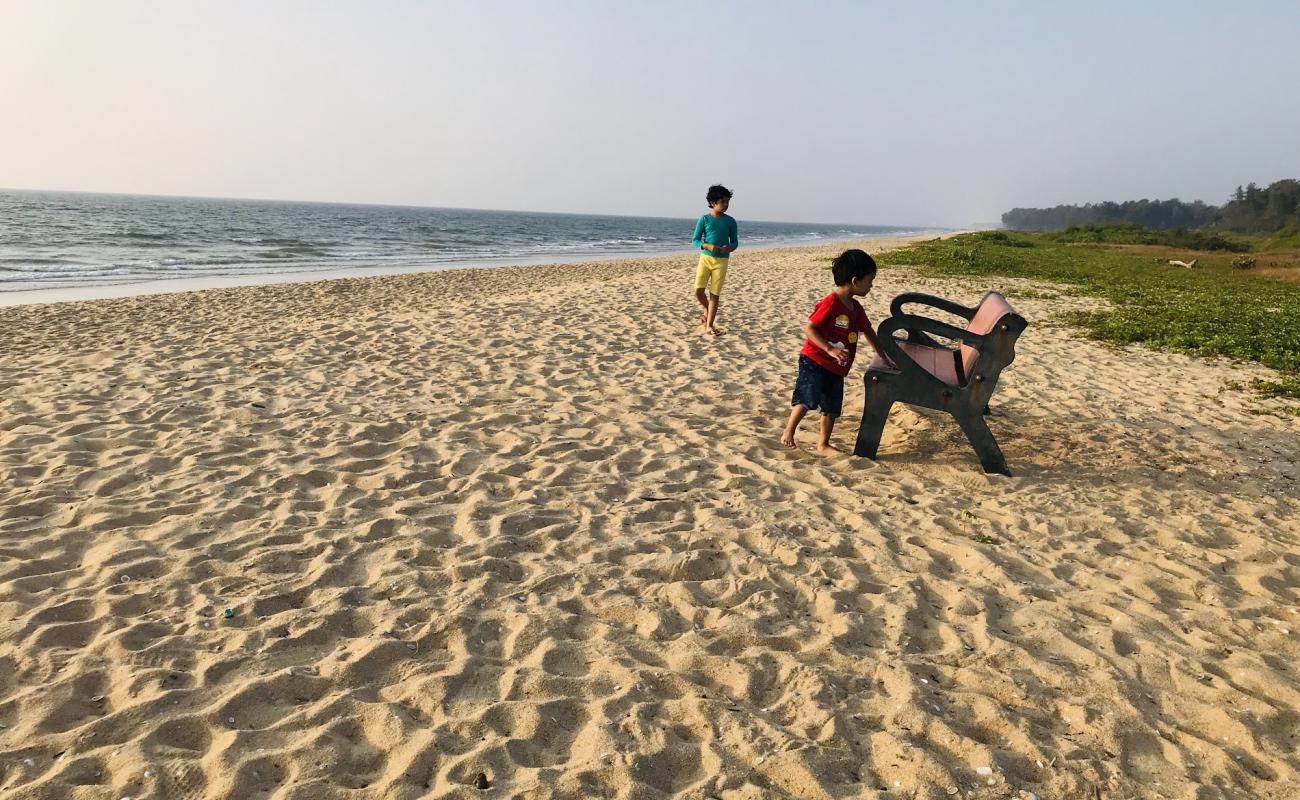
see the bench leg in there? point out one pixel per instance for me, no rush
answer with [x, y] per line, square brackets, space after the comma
[981, 438]
[874, 415]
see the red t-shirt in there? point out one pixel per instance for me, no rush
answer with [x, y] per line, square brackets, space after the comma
[838, 324]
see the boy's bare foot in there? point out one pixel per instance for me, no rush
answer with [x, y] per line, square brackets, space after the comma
[787, 439]
[713, 332]
[827, 447]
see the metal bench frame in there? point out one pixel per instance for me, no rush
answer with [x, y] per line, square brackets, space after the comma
[968, 400]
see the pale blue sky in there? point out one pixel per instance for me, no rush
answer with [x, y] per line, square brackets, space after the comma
[918, 113]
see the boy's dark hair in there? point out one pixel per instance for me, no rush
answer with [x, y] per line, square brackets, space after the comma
[717, 192]
[852, 264]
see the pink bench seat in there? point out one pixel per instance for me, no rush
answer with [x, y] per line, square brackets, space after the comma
[938, 361]
[958, 378]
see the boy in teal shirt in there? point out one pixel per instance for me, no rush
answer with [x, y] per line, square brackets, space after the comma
[715, 237]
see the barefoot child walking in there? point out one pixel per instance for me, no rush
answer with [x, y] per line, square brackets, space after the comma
[715, 237]
[832, 342]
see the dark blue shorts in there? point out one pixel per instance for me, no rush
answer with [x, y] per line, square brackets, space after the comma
[817, 387]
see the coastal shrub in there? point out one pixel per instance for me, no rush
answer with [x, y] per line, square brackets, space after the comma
[1287, 387]
[1129, 233]
[1286, 239]
[1243, 262]
[1215, 311]
[1001, 237]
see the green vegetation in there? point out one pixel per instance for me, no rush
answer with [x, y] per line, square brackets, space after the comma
[1273, 210]
[1129, 233]
[1158, 214]
[1256, 210]
[1213, 310]
[1285, 239]
[1287, 387]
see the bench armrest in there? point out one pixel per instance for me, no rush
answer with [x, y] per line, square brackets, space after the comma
[896, 307]
[916, 323]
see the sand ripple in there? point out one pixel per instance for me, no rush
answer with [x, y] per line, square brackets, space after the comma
[521, 522]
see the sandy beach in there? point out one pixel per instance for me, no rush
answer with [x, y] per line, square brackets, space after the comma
[371, 538]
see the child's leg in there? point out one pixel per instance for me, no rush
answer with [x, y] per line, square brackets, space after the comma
[828, 425]
[711, 313]
[796, 416]
[717, 275]
[702, 277]
[832, 403]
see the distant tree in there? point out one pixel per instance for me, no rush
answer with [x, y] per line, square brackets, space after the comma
[1157, 214]
[1250, 210]
[1257, 210]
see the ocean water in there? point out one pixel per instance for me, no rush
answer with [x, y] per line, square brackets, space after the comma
[59, 240]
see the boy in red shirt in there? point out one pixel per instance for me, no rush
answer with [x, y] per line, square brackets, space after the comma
[832, 342]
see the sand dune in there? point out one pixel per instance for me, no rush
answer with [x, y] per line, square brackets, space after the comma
[371, 538]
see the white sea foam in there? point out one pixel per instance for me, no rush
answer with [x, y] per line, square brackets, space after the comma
[70, 239]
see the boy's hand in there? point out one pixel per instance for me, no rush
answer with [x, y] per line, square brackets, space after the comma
[841, 356]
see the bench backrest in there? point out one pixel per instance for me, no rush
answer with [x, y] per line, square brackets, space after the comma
[988, 316]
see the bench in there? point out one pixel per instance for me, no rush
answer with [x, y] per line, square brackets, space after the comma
[959, 380]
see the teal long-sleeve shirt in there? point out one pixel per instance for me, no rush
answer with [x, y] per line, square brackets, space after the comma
[716, 231]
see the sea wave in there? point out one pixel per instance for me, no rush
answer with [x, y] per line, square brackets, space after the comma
[81, 271]
[19, 260]
[63, 238]
[148, 236]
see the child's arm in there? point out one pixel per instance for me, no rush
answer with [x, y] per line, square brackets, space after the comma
[733, 240]
[841, 356]
[698, 238]
[875, 344]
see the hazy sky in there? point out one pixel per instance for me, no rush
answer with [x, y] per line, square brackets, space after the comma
[916, 113]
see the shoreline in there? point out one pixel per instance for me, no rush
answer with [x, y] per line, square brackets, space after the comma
[109, 291]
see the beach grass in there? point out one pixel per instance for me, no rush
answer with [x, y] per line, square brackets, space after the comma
[1212, 310]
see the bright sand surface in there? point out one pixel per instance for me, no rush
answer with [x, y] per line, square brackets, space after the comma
[524, 522]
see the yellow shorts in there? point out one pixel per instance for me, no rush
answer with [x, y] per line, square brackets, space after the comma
[710, 274]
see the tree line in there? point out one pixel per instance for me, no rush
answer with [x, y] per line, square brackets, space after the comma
[1249, 210]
